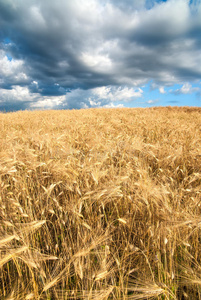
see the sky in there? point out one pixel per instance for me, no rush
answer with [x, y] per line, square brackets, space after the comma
[72, 54]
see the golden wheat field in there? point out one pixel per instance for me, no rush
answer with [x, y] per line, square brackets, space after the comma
[100, 204]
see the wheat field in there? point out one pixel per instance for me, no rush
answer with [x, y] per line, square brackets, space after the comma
[100, 204]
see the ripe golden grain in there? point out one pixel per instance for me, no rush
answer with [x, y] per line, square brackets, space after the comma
[101, 204]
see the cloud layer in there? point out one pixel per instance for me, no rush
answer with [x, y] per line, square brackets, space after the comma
[91, 53]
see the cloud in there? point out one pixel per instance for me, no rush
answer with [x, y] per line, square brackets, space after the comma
[186, 89]
[152, 102]
[21, 98]
[47, 102]
[127, 4]
[12, 72]
[16, 98]
[112, 105]
[75, 47]
[101, 97]
[117, 94]
[162, 90]
[173, 102]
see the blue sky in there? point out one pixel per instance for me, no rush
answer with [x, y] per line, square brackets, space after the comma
[99, 53]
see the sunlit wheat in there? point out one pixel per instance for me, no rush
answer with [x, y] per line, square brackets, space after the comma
[100, 204]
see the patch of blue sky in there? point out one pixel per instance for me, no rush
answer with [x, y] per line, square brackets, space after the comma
[6, 41]
[151, 3]
[9, 57]
[170, 96]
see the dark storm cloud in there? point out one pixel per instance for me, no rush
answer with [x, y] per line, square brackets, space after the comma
[11, 106]
[62, 46]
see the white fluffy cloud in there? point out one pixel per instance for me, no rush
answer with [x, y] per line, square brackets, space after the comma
[152, 102]
[78, 98]
[106, 96]
[162, 90]
[46, 102]
[17, 93]
[21, 98]
[124, 94]
[12, 71]
[187, 89]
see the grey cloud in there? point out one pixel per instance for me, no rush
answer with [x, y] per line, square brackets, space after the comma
[81, 45]
[11, 106]
[174, 102]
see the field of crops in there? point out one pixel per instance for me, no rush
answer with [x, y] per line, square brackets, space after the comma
[100, 204]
